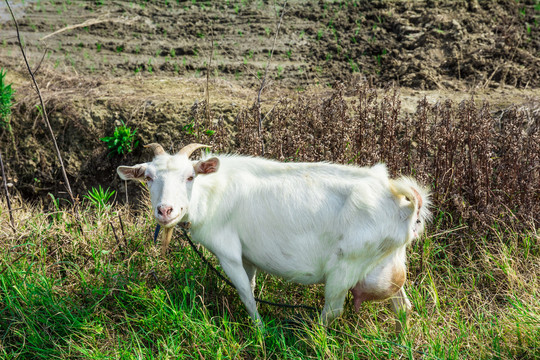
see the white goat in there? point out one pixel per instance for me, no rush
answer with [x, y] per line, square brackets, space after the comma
[310, 223]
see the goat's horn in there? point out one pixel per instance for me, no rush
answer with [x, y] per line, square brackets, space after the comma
[158, 149]
[189, 149]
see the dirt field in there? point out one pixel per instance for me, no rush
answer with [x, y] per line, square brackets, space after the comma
[149, 63]
[457, 45]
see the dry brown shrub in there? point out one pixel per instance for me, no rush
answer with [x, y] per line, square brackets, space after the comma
[482, 168]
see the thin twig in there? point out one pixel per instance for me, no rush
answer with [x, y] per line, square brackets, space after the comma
[208, 67]
[90, 22]
[448, 231]
[122, 226]
[116, 237]
[123, 235]
[127, 198]
[264, 78]
[40, 61]
[4, 182]
[43, 110]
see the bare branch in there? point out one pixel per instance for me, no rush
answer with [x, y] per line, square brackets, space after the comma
[43, 110]
[264, 77]
[4, 183]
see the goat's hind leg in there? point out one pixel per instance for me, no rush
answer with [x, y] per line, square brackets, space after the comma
[402, 308]
[334, 298]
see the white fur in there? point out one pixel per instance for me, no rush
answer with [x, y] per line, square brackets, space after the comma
[306, 222]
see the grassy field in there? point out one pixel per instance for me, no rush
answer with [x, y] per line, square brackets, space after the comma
[95, 287]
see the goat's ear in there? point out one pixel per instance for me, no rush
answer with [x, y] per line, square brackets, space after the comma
[131, 172]
[207, 166]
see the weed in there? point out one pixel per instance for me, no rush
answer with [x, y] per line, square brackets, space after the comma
[192, 129]
[279, 71]
[6, 98]
[99, 197]
[289, 54]
[123, 140]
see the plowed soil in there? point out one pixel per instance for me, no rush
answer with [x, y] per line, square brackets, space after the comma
[420, 44]
[149, 62]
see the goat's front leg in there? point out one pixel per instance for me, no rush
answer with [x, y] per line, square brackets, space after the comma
[228, 250]
[238, 276]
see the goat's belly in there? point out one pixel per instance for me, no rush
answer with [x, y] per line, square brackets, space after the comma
[299, 260]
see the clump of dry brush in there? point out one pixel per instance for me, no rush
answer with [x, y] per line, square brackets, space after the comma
[482, 167]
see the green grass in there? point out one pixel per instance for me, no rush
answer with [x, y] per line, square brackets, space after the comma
[67, 293]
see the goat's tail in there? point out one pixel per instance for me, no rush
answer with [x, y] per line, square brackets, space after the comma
[413, 196]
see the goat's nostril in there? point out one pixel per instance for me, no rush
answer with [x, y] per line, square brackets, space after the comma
[164, 210]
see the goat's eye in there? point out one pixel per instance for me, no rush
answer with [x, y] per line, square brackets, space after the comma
[148, 178]
[190, 178]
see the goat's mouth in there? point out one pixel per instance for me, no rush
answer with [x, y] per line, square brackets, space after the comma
[169, 222]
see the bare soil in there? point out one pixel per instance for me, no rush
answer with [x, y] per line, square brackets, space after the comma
[149, 63]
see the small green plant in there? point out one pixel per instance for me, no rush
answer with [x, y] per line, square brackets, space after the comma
[6, 96]
[99, 197]
[190, 129]
[122, 141]
[279, 71]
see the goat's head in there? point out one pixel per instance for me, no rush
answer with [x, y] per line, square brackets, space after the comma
[170, 179]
